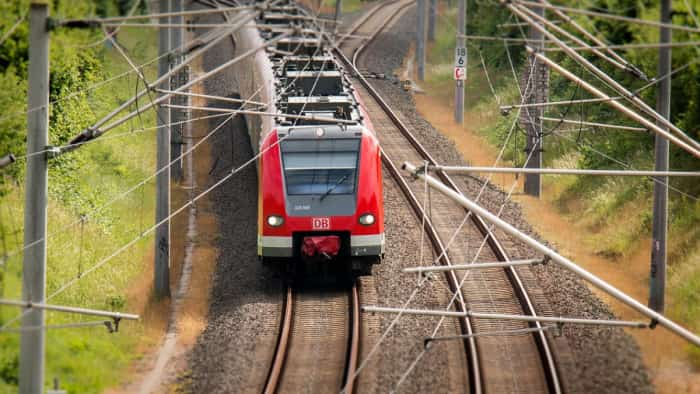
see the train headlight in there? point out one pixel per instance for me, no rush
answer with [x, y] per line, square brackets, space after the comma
[367, 219]
[275, 221]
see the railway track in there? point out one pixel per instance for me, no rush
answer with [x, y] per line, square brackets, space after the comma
[502, 364]
[308, 359]
[319, 341]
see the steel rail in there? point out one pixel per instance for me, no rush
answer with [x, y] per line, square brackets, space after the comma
[275, 373]
[544, 347]
[358, 51]
[354, 344]
[285, 334]
[470, 346]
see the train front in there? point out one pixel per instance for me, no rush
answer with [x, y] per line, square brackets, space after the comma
[321, 196]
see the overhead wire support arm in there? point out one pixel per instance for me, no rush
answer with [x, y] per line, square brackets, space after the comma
[629, 67]
[504, 316]
[631, 97]
[502, 225]
[592, 124]
[560, 171]
[472, 266]
[622, 66]
[618, 106]
[67, 309]
[604, 15]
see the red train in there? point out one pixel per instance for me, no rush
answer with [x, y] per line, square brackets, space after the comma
[319, 166]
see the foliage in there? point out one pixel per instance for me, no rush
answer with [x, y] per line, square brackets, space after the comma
[86, 360]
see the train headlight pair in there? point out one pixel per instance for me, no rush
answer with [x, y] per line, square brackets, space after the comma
[275, 221]
[367, 219]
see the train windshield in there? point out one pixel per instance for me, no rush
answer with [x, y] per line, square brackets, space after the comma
[320, 167]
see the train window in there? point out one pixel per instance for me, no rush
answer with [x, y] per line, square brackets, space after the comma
[330, 168]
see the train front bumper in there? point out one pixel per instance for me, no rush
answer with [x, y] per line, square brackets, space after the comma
[283, 246]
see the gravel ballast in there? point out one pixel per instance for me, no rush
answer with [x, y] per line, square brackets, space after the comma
[602, 359]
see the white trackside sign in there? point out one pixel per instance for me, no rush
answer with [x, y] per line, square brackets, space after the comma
[460, 72]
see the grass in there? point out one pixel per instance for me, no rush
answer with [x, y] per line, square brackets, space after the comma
[348, 5]
[88, 360]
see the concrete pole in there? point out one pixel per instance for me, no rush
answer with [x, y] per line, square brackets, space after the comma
[534, 89]
[420, 40]
[162, 239]
[461, 43]
[657, 276]
[33, 342]
[432, 15]
[176, 34]
[338, 11]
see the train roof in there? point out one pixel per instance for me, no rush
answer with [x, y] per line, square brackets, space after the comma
[311, 87]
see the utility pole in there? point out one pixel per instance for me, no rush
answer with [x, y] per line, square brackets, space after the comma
[461, 46]
[657, 276]
[162, 239]
[338, 11]
[176, 114]
[432, 15]
[33, 342]
[534, 88]
[420, 40]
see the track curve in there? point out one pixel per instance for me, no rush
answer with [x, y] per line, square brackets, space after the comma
[548, 374]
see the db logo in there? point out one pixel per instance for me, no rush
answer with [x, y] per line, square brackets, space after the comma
[321, 223]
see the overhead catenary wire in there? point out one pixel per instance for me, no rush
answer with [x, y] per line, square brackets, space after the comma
[136, 186]
[638, 21]
[113, 33]
[629, 67]
[618, 106]
[102, 262]
[94, 132]
[680, 138]
[185, 47]
[130, 17]
[12, 28]
[88, 133]
[636, 92]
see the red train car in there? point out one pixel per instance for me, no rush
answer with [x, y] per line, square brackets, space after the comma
[320, 194]
[319, 163]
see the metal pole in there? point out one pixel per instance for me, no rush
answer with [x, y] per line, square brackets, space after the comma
[176, 115]
[534, 88]
[33, 343]
[657, 274]
[432, 15]
[556, 257]
[162, 238]
[461, 43]
[420, 40]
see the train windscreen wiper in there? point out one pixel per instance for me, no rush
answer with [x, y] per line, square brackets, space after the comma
[330, 189]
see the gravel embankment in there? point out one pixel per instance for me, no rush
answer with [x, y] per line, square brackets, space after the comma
[601, 359]
[233, 352]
